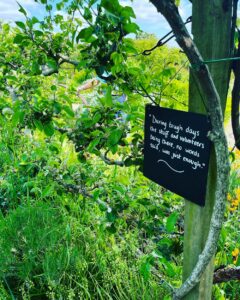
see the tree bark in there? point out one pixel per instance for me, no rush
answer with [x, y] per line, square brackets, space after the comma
[226, 274]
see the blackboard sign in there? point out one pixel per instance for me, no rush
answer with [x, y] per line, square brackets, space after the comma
[177, 151]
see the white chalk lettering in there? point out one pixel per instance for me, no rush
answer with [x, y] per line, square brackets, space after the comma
[166, 152]
[194, 133]
[164, 133]
[195, 164]
[190, 151]
[190, 141]
[169, 144]
[159, 122]
[177, 128]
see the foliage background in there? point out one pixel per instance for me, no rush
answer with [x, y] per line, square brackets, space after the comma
[78, 219]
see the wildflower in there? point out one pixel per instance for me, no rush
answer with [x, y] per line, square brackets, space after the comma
[232, 208]
[234, 201]
[237, 153]
[235, 254]
[237, 193]
[229, 197]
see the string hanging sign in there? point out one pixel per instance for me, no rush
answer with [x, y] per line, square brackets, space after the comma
[177, 151]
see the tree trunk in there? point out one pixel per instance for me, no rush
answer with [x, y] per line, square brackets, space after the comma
[211, 29]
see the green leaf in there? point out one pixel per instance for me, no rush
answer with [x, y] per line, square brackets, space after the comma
[131, 28]
[97, 117]
[145, 270]
[128, 12]
[38, 33]
[93, 144]
[85, 34]
[87, 14]
[117, 58]
[17, 117]
[53, 88]
[36, 70]
[48, 191]
[54, 148]
[114, 137]
[38, 124]
[19, 38]
[167, 297]
[169, 269]
[10, 77]
[21, 9]
[108, 97]
[34, 20]
[21, 25]
[49, 7]
[57, 107]
[6, 28]
[92, 2]
[232, 156]
[52, 64]
[168, 72]
[48, 128]
[171, 222]
[68, 110]
[112, 6]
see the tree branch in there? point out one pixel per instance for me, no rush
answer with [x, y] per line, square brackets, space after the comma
[207, 87]
[46, 71]
[226, 274]
[79, 189]
[65, 59]
[111, 162]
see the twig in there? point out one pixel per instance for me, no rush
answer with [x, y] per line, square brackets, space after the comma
[111, 162]
[147, 94]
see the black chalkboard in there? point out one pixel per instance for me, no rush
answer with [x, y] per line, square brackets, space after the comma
[177, 151]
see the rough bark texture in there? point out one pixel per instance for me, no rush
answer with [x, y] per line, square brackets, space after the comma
[226, 274]
[207, 88]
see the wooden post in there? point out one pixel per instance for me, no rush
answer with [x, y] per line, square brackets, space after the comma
[211, 29]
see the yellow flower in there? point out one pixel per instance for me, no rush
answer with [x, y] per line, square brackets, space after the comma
[237, 153]
[229, 198]
[232, 208]
[237, 193]
[235, 252]
[235, 202]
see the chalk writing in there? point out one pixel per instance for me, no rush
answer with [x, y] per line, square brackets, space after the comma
[167, 134]
[176, 151]
[174, 170]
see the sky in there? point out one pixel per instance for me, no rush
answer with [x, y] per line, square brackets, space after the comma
[148, 18]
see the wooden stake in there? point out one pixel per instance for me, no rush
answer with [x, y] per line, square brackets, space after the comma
[211, 28]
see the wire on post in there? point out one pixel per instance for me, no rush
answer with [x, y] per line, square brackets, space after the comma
[166, 38]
